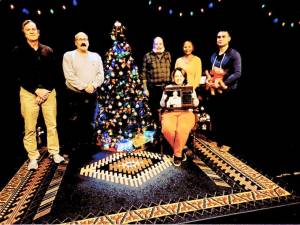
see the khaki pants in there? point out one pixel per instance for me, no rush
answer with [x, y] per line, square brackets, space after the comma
[176, 127]
[30, 112]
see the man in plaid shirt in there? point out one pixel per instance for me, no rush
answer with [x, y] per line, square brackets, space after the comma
[156, 74]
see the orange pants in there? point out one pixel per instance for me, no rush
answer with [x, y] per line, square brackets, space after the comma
[176, 127]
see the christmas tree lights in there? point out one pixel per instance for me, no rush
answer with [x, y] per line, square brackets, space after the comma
[123, 114]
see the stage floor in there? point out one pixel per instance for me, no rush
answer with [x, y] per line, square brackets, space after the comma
[139, 187]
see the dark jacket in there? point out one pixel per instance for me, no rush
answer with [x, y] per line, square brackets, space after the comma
[34, 69]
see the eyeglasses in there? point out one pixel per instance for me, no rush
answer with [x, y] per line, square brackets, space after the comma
[82, 39]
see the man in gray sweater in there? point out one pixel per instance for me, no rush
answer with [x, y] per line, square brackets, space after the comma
[83, 71]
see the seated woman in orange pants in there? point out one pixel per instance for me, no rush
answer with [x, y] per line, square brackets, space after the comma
[177, 122]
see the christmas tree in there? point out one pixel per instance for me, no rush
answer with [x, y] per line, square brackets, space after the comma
[123, 118]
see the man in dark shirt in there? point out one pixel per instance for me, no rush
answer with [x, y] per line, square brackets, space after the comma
[35, 68]
[156, 74]
[226, 61]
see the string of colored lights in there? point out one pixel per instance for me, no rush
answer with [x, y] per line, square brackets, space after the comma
[278, 17]
[50, 7]
[183, 8]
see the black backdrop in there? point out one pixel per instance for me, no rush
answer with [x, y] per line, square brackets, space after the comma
[269, 117]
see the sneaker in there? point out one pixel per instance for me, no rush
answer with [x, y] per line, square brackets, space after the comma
[184, 157]
[57, 158]
[177, 161]
[188, 154]
[33, 164]
[184, 151]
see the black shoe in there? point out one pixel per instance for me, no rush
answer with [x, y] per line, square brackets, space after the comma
[184, 156]
[177, 161]
[187, 154]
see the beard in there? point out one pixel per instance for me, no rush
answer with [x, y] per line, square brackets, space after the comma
[158, 50]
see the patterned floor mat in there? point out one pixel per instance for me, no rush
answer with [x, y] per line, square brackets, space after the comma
[30, 194]
[139, 187]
